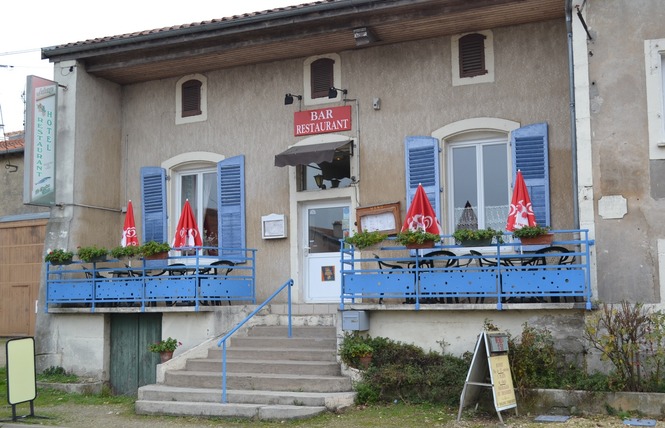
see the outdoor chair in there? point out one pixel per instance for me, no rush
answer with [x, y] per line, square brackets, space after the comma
[383, 265]
[440, 259]
[217, 268]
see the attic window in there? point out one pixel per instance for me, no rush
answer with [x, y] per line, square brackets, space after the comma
[472, 58]
[322, 77]
[191, 98]
[472, 55]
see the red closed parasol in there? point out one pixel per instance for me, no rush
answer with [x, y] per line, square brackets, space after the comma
[421, 215]
[521, 212]
[187, 233]
[129, 237]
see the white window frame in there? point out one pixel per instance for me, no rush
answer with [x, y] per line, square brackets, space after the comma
[477, 140]
[654, 56]
[489, 60]
[307, 80]
[452, 132]
[179, 120]
[178, 166]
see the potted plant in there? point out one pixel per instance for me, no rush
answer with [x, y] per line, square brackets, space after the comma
[534, 235]
[92, 254]
[355, 352]
[59, 257]
[125, 252]
[417, 239]
[477, 237]
[164, 348]
[365, 239]
[154, 250]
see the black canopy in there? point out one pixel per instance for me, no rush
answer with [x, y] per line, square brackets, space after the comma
[313, 153]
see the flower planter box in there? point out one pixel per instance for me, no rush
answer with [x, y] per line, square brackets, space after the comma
[476, 242]
[158, 256]
[538, 240]
[417, 246]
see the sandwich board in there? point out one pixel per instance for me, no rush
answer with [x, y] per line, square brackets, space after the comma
[490, 368]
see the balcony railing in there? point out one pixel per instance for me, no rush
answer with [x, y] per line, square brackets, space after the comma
[501, 273]
[190, 280]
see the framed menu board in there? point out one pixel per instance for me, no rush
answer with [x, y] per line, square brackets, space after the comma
[384, 218]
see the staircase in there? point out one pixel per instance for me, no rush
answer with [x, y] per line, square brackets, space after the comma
[269, 376]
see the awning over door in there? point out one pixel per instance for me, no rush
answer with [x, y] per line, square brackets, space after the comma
[313, 153]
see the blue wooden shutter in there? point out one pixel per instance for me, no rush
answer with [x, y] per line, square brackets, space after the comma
[422, 167]
[530, 155]
[231, 207]
[153, 189]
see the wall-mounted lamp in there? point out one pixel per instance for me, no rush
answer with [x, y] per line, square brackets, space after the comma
[288, 98]
[318, 179]
[332, 92]
[364, 36]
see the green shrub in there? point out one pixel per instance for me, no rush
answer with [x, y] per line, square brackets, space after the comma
[406, 373]
[534, 362]
[88, 254]
[57, 374]
[632, 338]
[365, 239]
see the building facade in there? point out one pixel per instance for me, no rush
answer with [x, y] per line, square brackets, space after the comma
[367, 83]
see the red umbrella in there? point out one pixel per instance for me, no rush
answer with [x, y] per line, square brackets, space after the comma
[421, 215]
[187, 233]
[129, 237]
[521, 212]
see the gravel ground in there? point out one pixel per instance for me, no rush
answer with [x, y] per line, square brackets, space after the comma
[116, 416]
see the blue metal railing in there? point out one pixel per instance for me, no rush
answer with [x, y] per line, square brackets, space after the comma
[502, 272]
[192, 278]
[222, 342]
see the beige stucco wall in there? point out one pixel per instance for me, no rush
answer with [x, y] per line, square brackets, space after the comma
[627, 246]
[107, 133]
[456, 332]
[246, 116]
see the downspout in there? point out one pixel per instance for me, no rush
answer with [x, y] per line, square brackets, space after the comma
[573, 126]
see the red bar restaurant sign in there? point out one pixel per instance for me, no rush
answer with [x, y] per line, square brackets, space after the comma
[321, 121]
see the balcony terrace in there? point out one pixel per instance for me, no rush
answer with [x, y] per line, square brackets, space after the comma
[504, 275]
[192, 281]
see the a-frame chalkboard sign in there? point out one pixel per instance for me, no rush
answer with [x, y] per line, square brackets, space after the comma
[490, 369]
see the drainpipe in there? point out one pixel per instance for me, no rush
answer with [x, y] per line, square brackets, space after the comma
[573, 127]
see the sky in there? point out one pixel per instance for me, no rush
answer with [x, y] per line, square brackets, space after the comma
[28, 26]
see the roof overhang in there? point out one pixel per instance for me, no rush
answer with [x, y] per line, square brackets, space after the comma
[291, 32]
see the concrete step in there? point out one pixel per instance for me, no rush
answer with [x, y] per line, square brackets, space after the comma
[259, 381]
[282, 342]
[323, 368]
[161, 392]
[273, 354]
[237, 410]
[283, 332]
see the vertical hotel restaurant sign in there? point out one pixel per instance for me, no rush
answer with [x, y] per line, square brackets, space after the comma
[321, 121]
[40, 131]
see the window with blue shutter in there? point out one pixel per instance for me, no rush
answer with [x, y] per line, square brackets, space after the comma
[530, 155]
[153, 189]
[422, 167]
[231, 207]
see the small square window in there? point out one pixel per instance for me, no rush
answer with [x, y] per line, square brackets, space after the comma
[191, 98]
[472, 57]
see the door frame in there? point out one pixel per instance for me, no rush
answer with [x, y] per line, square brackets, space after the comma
[303, 240]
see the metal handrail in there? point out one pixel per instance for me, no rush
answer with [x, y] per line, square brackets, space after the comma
[222, 341]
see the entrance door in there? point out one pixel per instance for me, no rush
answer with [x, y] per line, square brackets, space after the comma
[132, 365]
[325, 225]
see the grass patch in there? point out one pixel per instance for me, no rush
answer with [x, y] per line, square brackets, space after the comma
[57, 375]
